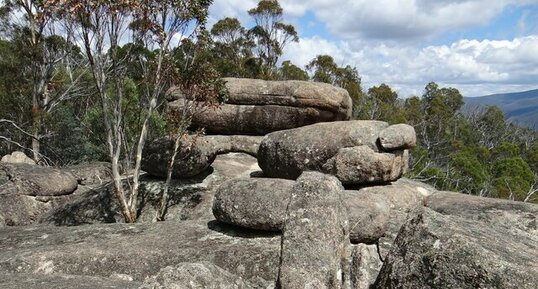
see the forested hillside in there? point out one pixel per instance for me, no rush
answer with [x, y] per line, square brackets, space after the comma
[519, 107]
[73, 89]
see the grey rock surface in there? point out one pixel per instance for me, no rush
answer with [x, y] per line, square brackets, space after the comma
[20, 210]
[224, 144]
[362, 165]
[137, 251]
[62, 281]
[203, 275]
[495, 212]
[434, 250]
[17, 157]
[365, 266]
[27, 192]
[35, 180]
[286, 154]
[195, 155]
[374, 213]
[315, 244]
[256, 203]
[257, 107]
[402, 196]
[398, 137]
[368, 214]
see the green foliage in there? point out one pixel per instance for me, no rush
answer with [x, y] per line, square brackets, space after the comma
[468, 167]
[254, 52]
[232, 48]
[70, 144]
[324, 69]
[132, 110]
[288, 71]
[513, 178]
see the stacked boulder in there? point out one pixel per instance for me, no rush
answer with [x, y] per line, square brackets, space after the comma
[258, 107]
[253, 109]
[367, 155]
[301, 190]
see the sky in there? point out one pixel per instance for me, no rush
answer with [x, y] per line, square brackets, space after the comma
[480, 47]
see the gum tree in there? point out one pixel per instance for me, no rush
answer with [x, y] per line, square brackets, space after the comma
[102, 26]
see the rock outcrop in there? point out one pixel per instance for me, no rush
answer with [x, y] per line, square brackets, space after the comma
[29, 192]
[434, 250]
[261, 203]
[315, 245]
[329, 209]
[349, 150]
[190, 199]
[258, 107]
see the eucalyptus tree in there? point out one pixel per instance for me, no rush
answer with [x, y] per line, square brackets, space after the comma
[47, 60]
[157, 26]
[270, 35]
[323, 68]
[232, 47]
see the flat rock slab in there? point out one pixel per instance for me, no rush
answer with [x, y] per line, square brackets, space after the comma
[257, 107]
[137, 251]
[497, 212]
[61, 281]
[434, 250]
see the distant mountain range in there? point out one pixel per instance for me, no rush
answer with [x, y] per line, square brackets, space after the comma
[520, 107]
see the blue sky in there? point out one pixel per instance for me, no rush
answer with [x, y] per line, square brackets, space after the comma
[478, 46]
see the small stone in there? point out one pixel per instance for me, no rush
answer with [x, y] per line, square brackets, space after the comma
[398, 137]
[17, 158]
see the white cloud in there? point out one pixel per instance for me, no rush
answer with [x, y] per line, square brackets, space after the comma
[230, 8]
[474, 67]
[399, 19]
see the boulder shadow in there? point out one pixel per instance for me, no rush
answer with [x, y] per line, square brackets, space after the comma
[239, 232]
